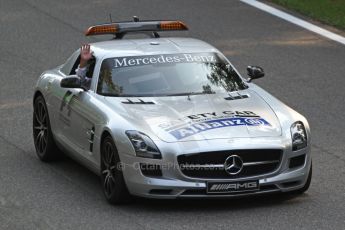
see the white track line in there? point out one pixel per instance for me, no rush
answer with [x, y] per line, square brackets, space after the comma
[295, 20]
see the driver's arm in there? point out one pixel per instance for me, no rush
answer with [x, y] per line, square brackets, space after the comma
[85, 56]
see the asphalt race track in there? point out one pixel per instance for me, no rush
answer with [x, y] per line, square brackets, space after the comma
[304, 70]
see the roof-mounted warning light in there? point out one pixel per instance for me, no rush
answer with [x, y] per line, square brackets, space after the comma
[119, 29]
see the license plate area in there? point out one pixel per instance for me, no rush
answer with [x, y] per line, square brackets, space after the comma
[232, 187]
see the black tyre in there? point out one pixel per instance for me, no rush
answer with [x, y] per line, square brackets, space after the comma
[46, 149]
[113, 183]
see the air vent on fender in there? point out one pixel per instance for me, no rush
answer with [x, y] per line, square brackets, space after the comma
[138, 101]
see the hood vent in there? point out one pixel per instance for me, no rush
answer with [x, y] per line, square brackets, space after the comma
[138, 101]
[236, 96]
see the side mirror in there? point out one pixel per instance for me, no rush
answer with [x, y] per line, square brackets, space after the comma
[254, 72]
[72, 81]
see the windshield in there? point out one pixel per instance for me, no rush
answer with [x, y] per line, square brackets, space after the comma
[167, 75]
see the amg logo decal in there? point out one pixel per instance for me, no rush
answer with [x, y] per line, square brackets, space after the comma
[232, 187]
[222, 187]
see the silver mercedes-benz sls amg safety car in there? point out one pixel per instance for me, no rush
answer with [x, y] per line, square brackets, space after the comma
[168, 118]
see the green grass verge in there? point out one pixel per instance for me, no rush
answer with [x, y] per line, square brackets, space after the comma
[331, 12]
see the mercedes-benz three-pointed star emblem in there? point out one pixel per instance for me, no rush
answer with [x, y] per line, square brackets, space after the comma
[233, 165]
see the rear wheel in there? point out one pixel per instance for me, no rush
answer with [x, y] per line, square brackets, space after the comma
[114, 187]
[46, 149]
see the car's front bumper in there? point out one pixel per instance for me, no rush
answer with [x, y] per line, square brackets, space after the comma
[174, 184]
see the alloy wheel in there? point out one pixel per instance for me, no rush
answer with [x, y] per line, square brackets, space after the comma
[109, 168]
[40, 127]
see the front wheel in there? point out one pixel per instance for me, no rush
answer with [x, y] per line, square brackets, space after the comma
[46, 149]
[114, 187]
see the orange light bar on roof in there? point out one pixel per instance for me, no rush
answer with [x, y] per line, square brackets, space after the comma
[172, 25]
[101, 29]
[121, 28]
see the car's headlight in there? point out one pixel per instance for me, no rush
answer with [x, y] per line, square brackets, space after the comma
[143, 145]
[298, 135]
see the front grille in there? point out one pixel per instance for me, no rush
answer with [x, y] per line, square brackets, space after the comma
[211, 164]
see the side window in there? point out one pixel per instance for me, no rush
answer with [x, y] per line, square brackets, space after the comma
[68, 67]
[75, 66]
[92, 64]
[72, 64]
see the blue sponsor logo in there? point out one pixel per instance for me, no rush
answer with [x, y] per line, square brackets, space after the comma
[215, 124]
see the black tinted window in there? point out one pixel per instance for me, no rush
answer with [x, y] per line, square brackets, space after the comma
[67, 68]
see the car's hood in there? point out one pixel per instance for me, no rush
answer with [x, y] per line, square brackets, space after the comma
[199, 117]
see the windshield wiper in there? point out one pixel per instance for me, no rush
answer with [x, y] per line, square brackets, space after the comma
[154, 95]
[127, 95]
[189, 93]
